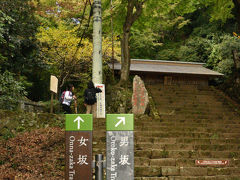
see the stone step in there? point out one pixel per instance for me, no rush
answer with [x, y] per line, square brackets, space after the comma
[150, 178]
[160, 128]
[185, 171]
[182, 162]
[184, 124]
[213, 141]
[173, 115]
[196, 141]
[181, 119]
[217, 177]
[219, 116]
[154, 130]
[176, 140]
[180, 96]
[192, 94]
[183, 144]
[179, 90]
[179, 147]
[148, 171]
[180, 87]
[190, 109]
[187, 135]
[220, 177]
[179, 134]
[156, 154]
[195, 147]
[188, 102]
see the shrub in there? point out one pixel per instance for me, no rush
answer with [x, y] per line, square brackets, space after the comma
[11, 91]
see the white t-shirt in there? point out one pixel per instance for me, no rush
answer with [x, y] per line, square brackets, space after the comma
[68, 97]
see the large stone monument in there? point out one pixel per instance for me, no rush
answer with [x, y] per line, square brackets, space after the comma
[140, 98]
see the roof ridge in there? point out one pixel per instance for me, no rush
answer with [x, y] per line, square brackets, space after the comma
[177, 62]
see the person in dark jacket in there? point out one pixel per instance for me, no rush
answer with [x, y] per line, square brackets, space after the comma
[90, 97]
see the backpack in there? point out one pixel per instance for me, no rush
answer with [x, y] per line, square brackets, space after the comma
[62, 97]
[90, 97]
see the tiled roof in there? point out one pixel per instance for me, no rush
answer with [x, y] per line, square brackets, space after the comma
[169, 67]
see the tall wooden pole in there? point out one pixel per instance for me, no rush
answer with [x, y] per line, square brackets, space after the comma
[97, 42]
[112, 38]
[51, 108]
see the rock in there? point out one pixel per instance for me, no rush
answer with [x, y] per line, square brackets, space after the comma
[140, 98]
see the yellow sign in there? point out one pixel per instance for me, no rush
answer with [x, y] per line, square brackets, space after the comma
[53, 84]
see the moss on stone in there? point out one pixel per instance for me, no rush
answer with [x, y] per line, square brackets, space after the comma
[13, 122]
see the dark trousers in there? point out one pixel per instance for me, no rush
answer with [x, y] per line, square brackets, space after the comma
[67, 109]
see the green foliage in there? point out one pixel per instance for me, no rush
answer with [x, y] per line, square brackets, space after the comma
[19, 52]
[215, 50]
[188, 30]
[18, 44]
[7, 134]
[11, 91]
[220, 10]
[144, 39]
[196, 49]
[221, 55]
[4, 22]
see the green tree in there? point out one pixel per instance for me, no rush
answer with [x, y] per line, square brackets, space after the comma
[59, 47]
[18, 44]
[140, 17]
[60, 50]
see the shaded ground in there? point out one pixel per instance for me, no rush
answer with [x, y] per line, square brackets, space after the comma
[38, 154]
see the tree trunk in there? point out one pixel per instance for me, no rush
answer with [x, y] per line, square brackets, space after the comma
[97, 43]
[126, 58]
[237, 12]
[236, 59]
[134, 10]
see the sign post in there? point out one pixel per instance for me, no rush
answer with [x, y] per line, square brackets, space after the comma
[78, 147]
[100, 101]
[211, 162]
[120, 146]
[53, 89]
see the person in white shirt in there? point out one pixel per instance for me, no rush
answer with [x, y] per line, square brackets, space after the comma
[68, 98]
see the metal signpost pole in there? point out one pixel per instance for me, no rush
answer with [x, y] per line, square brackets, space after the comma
[78, 147]
[99, 167]
[120, 147]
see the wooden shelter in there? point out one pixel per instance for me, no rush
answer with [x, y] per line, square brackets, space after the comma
[170, 72]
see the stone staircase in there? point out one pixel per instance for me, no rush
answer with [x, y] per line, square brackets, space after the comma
[196, 124]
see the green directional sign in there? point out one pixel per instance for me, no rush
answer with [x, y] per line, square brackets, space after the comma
[120, 122]
[79, 122]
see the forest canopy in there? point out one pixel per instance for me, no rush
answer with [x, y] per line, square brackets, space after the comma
[43, 37]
